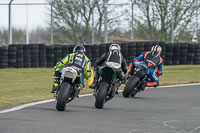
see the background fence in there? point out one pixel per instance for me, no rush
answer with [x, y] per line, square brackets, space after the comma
[41, 55]
[98, 21]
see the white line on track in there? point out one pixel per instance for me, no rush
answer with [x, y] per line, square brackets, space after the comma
[51, 100]
[195, 129]
[165, 123]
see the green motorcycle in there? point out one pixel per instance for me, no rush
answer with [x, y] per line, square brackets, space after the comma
[107, 86]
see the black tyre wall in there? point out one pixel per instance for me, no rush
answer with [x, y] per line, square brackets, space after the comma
[57, 53]
[42, 55]
[26, 56]
[131, 52]
[12, 51]
[191, 53]
[196, 59]
[183, 53]
[19, 56]
[95, 54]
[124, 51]
[139, 48]
[176, 54]
[169, 54]
[34, 49]
[163, 53]
[65, 50]
[50, 56]
[3, 57]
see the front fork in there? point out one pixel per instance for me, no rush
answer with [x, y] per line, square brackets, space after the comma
[142, 84]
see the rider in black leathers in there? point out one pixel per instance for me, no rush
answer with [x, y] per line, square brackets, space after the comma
[118, 59]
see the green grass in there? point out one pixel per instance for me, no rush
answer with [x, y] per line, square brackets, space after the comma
[19, 86]
[181, 74]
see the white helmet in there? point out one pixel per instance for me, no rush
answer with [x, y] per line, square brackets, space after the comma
[156, 48]
[114, 46]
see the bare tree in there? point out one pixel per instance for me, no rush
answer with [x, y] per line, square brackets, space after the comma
[18, 35]
[38, 35]
[157, 16]
[73, 19]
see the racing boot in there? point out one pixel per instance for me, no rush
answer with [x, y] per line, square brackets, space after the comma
[117, 85]
[55, 85]
[93, 85]
[152, 84]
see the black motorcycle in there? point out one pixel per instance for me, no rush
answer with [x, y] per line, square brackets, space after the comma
[70, 85]
[136, 82]
[106, 87]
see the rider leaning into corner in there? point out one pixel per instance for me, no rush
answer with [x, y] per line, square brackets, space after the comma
[77, 59]
[152, 60]
[113, 56]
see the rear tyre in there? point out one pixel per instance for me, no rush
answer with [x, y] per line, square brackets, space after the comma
[63, 96]
[101, 95]
[130, 85]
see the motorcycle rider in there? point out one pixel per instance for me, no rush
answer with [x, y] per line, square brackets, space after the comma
[113, 56]
[77, 59]
[152, 60]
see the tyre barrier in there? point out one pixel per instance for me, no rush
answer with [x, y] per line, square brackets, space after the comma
[183, 53]
[41, 55]
[190, 55]
[124, 51]
[34, 49]
[3, 57]
[12, 50]
[176, 55]
[140, 48]
[26, 56]
[50, 55]
[102, 49]
[131, 52]
[197, 55]
[19, 56]
[57, 53]
[65, 50]
[169, 54]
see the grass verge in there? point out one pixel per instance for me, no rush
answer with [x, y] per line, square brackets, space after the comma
[18, 86]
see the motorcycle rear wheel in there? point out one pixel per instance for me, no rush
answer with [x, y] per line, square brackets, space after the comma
[101, 95]
[63, 96]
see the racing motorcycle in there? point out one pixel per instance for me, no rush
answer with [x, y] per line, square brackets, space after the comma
[70, 85]
[136, 82]
[107, 86]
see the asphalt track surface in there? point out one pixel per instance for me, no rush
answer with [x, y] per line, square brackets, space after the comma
[157, 110]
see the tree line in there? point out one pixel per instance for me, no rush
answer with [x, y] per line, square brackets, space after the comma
[152, 20]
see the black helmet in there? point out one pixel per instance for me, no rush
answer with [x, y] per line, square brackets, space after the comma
[79, 49]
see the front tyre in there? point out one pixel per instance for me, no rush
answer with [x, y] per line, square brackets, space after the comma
[101, 95]
[63, 96]
[130, 85]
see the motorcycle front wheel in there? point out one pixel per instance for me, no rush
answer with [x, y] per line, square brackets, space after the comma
[130, 86]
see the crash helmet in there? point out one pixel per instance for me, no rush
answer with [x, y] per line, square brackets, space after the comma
[79, 49]
[156, 49]
[114, 46]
